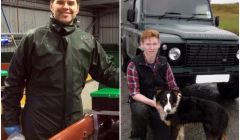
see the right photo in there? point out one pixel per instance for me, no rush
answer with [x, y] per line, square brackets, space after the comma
[180, 69]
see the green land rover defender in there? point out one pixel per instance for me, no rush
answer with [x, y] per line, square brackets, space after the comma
[197, 50]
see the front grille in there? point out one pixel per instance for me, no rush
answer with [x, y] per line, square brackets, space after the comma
[210, 55]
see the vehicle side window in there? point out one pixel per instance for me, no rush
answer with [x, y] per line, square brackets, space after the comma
[131, 4]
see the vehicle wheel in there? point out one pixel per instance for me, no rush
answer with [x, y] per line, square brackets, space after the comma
[228, 90]
[124, 57]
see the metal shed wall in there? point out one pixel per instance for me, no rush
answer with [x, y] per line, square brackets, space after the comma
[109, 29]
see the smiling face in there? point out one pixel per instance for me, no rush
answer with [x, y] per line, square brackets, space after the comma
[150, 43]
[64, 11]
[150, 47]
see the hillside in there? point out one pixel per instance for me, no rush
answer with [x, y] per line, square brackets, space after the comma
[229, 17]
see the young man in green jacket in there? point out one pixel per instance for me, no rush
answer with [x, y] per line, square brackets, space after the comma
[52, 63]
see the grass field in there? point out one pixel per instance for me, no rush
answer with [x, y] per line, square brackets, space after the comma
[229, 17]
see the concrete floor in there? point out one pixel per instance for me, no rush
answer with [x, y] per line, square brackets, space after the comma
[192, 132]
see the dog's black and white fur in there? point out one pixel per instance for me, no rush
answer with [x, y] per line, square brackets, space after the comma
[180, 110]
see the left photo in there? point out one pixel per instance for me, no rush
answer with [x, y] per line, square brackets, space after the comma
[60, 70]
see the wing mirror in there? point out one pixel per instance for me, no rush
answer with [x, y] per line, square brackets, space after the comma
[216, 21]
[130, 15]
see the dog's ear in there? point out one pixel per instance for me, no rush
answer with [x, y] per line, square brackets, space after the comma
[177, 92]
[158, 90]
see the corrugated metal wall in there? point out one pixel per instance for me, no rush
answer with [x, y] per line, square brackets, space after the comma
[109, 29]
[29, 18]
[26, 19]
[85, 21]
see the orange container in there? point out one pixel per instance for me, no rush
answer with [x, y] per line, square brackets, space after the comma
[80, 130]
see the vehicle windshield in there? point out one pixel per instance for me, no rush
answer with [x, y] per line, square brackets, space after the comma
[192, 9]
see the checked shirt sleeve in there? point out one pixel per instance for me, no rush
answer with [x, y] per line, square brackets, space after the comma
[132, 79]
[172, 85]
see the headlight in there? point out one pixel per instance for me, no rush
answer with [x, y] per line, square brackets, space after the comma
[237, 55]
[164, 47]
[174, 54]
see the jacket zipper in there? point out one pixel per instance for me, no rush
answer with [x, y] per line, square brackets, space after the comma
[64, 78]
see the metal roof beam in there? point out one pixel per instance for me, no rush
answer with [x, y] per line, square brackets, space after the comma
[97, 2]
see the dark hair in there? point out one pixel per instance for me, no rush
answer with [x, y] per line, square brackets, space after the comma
[78, 1]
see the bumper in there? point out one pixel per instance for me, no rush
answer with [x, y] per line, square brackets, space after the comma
[186, 76]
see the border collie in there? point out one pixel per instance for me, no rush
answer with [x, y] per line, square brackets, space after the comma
[178, 110]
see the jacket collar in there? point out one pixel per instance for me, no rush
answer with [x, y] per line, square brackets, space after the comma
[61, 28]
[143, 60]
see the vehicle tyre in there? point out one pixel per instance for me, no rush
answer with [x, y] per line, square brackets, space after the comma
[124, 57]
[228, 90]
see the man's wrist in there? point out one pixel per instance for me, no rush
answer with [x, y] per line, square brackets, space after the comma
[153, 103]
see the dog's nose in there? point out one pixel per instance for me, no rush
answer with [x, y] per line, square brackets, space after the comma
[168, 111]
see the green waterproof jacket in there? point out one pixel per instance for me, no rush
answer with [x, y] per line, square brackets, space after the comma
[52, 64]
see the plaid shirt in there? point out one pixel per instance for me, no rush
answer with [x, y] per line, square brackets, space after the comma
[133, 80]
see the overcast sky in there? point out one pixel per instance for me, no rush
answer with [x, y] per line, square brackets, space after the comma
[223, 1]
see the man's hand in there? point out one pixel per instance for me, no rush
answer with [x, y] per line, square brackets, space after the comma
[159, 108]
[14, 132]
[12, 129]
[161, 112]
